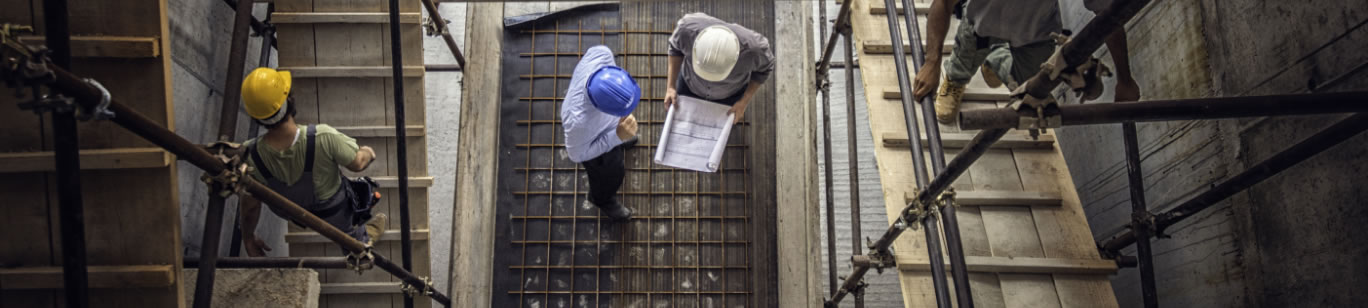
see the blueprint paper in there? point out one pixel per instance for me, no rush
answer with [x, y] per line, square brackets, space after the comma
[695, 135]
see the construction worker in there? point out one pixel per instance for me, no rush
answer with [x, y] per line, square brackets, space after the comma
[303, 163]
[599, 126]
[1007, 40]
[727, 63]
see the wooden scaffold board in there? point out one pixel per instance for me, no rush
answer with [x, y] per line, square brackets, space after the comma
[1021, 251]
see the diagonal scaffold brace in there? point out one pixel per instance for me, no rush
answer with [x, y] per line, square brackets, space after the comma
[19, 62]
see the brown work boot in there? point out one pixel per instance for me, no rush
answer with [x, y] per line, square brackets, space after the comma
[948, 101]
[375, 227]
[990, 77]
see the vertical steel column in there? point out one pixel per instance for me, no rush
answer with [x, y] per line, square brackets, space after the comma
[267, 39]
[910, 117]
[227, 131]
[1140, 217]
[824, 86]
[854, 158]
[953, 244]
[401, 140]
[68, 160]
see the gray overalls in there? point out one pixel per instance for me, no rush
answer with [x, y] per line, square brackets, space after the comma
[337, 211]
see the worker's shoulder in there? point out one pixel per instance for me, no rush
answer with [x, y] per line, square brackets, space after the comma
[325, 129]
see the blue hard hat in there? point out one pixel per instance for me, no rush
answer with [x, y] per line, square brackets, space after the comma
[613, 91]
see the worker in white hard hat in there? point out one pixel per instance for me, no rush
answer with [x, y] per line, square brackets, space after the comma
[303, 163]
[717, 61]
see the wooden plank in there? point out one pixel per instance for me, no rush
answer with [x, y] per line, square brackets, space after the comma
[960, 140]
[351, 71]
[922, 8]
[472, 224]
[910, 261]
[93, 159]
[360, 288]
[393, 181]
[100, 277]
[340, 18]
[987, 197]
[83, 46]
[970, 93]
[885, 47]
[380, 131]
[310, 237]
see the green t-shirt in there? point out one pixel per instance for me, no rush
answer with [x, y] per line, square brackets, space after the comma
[332, 150]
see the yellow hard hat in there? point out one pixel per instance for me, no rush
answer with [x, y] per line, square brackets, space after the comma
[264, 92]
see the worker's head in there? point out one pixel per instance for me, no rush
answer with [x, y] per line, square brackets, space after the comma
[265, 96]
[714, 52]
[613, 91]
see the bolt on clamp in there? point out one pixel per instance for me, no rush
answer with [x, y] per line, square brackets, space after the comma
[101, 110]
[414, 291]
[361, 261]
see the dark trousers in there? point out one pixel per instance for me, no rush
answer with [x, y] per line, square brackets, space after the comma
[605, 176]
[682, 88]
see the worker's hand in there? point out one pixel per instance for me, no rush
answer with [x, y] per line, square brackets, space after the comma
[255, 246]
[670, 97]
[738, 110]
[928, 80]
[1126, 89]
[627, 128]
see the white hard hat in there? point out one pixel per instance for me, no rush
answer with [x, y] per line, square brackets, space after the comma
[714, 52]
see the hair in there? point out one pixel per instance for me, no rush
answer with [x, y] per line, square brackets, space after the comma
[290, 112]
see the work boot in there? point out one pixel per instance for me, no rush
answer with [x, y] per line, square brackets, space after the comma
[375, 227]
[948, 101]
[990, 77]
[617, 212]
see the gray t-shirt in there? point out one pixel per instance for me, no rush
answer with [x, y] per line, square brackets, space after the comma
[755, 63]
[1020, 22]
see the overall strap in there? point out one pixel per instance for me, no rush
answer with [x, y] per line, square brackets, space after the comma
[309, 152]
[256, 160]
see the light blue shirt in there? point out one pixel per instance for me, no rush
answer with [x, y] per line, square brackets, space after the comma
[588, 131]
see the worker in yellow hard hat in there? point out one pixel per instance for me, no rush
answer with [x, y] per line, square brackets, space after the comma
[726, 63]
[303, 164]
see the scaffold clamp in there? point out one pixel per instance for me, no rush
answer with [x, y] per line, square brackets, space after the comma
[361, 261]
[414, 291]
[100, 111]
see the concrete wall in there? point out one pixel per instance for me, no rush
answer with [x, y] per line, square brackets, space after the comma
[201, 34]
[443, 127]
[1287, 242]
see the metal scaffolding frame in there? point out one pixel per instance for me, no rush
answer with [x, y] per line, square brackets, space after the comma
[226, 172]
[996, 122]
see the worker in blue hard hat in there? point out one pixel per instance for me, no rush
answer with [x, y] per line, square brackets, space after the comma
[599, 126]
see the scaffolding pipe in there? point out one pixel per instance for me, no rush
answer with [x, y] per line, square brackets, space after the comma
[227, 132]
[842, 23]
[275, 262]
[1325, 139]
[88, 96]
[267, 38]
[854, 159]
[401, 140]
[257, 25]
[1179, 109]
[68, 164]
[824, 84]
[441, 25]
[1140, 215]
[1082, 45]
[954, 246]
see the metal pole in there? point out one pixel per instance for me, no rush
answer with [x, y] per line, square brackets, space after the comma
[1180, 109]
[1327, 138]
[227, 131]
[824, 86]
[275, 262]
[933, 236]
[842, 21]
[257, 25]
[442, 29]
[139, 124]
[1082, 45]
[953, 244]
[854, 159]
[68, 165]
[1140, 215]
[401, 140]
[267, 38]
